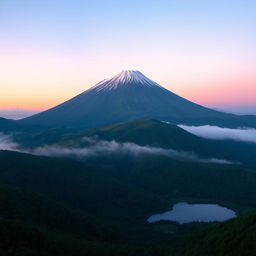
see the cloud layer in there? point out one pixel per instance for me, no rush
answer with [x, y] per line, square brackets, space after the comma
[105, 148]
[6, 142]
[219, 133]
[108, 148]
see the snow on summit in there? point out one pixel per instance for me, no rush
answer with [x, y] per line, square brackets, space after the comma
[124, 78]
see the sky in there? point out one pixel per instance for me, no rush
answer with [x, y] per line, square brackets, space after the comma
[52, 50]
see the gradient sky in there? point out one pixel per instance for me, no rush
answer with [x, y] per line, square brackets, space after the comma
[52, 50]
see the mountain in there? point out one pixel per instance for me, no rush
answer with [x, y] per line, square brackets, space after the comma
[129, 96]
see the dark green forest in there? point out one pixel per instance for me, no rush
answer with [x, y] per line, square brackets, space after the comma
[99, 205]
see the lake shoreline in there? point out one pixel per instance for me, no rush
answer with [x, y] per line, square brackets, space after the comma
[186, 212]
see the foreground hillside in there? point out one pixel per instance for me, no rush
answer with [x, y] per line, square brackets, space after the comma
[232, 238]
[33, 225]
[107, 204]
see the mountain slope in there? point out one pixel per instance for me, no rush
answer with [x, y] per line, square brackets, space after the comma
[80, 185]
[19, 238]
[36, 210]
[154, 133]
[8, 125]
[129, 186]
[130, 96]
[231, 238]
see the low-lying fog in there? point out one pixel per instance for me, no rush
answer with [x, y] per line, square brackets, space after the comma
[105, 148]
[219, 133]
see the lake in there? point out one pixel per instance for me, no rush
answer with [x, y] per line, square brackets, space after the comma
[185, 213]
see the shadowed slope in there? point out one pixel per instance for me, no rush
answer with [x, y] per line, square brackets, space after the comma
[234, 237]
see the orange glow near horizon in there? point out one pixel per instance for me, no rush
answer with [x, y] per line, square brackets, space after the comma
[37, 79]
[28, 104]
[215, 94]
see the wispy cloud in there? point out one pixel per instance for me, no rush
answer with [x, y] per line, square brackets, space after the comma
[110, 148]
[6, 142]
[219, 133]
[17, 113]
[104, 148]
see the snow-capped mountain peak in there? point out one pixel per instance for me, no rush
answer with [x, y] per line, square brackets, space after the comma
[130, 96]
[124, 78]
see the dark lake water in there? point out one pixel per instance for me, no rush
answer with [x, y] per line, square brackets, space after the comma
[185, 213]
